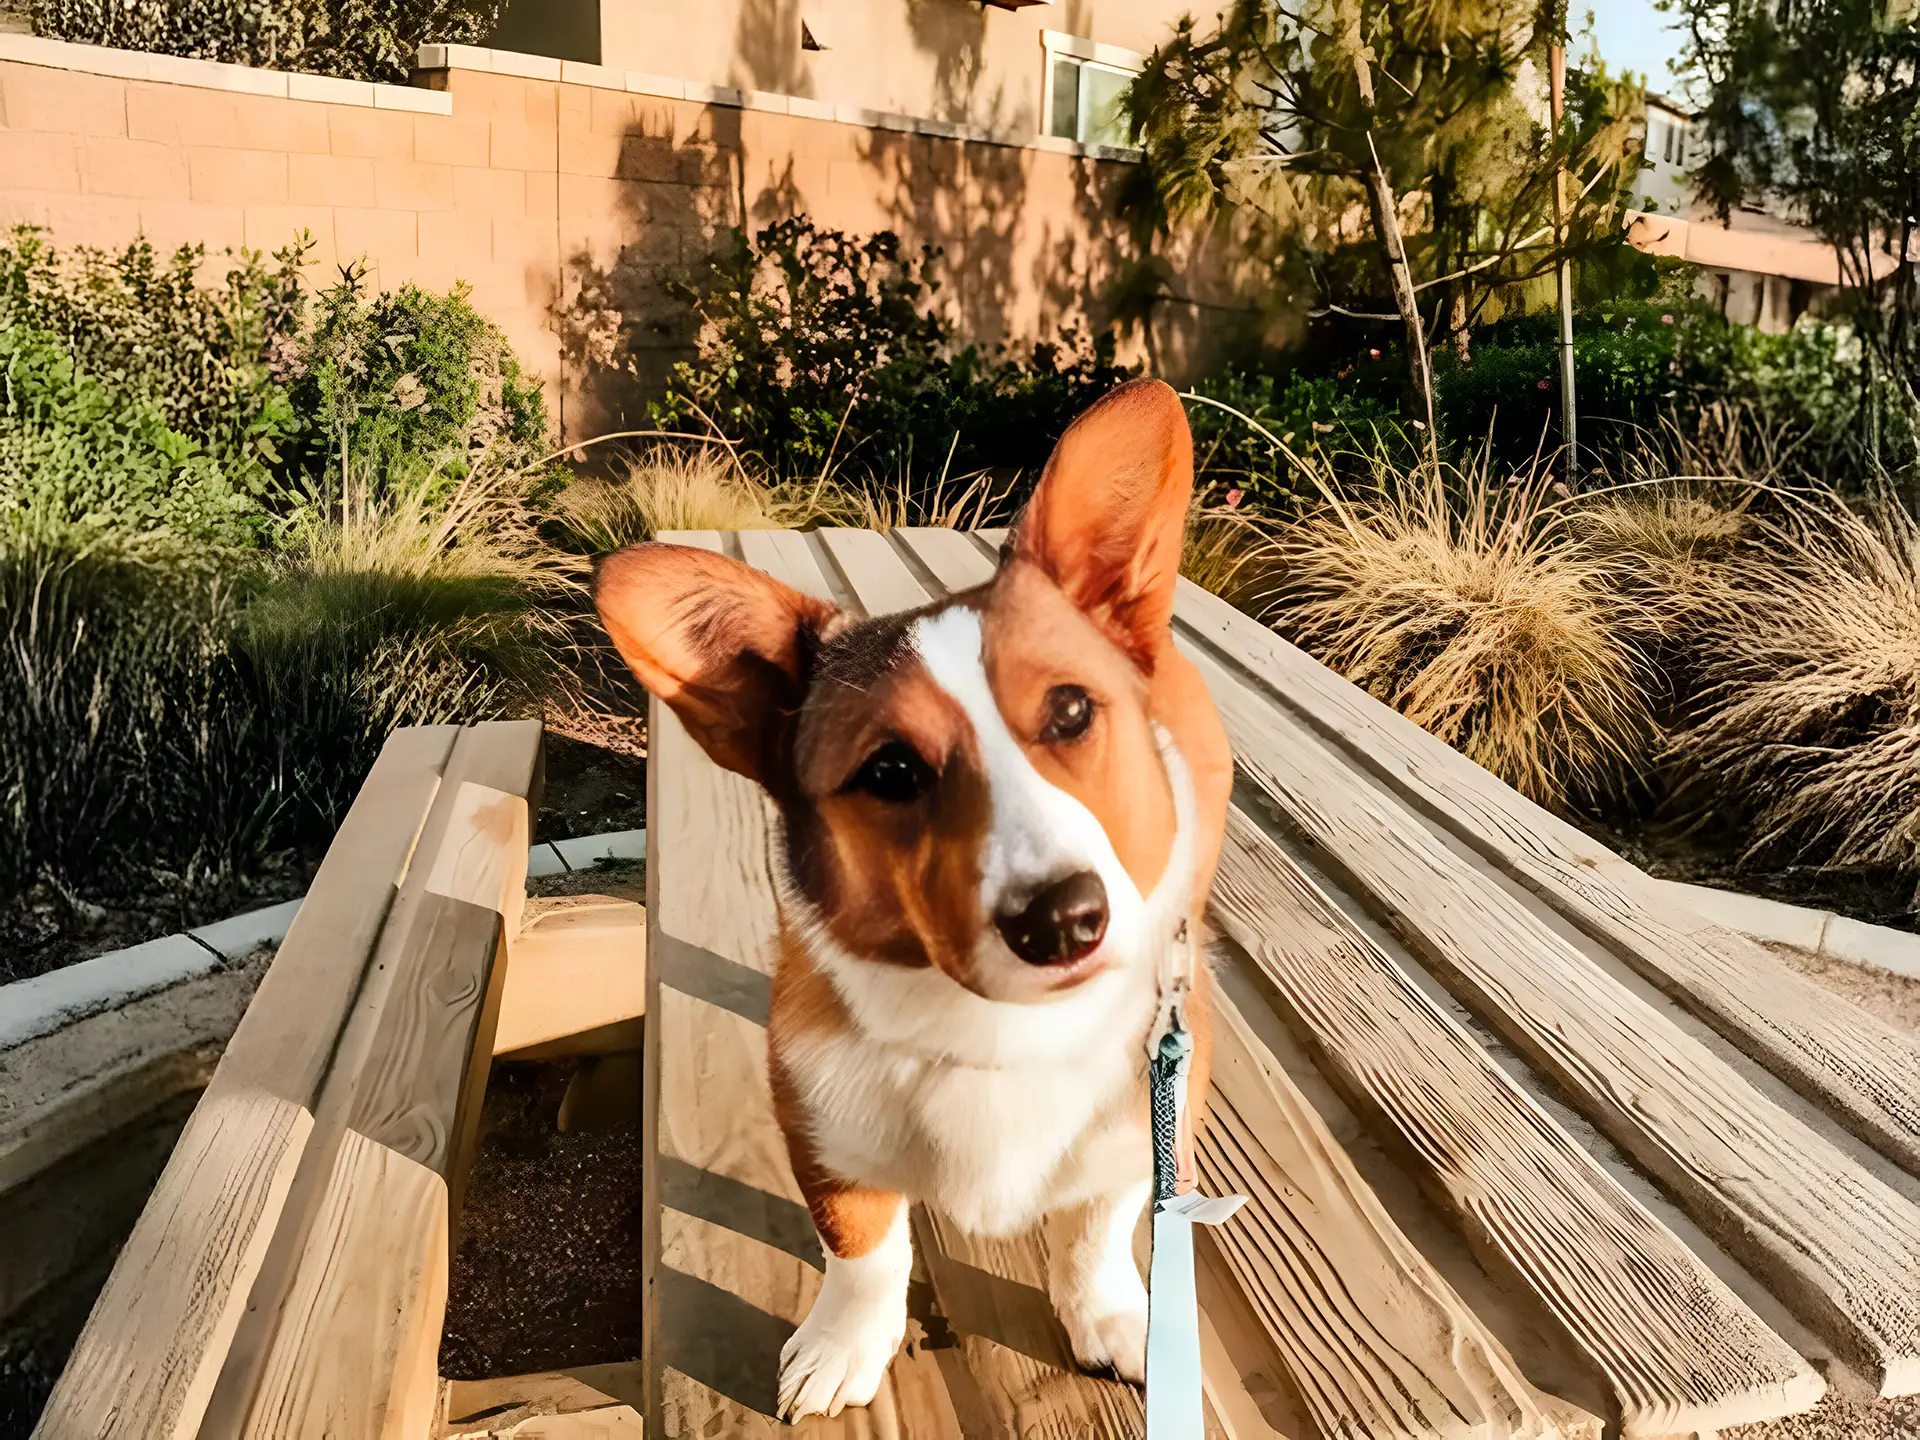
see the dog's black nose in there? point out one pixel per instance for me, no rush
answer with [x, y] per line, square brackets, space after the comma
[1060, 924]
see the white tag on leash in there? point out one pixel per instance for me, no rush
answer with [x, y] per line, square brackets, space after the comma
[1174, 1393]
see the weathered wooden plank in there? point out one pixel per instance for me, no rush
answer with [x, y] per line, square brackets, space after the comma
[1679, 1350]
[1376, 1343]
[578, 964]
[1831, 1239]
[785, 555]
[359, 1336]
[950, 556]
[874, 571]
[408, 1075]
[186, 1270]
[186, 1266]
[1864, 1071]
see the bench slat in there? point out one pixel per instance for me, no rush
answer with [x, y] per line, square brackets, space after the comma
[188, 1266]
[354, 1279]
[1679, 1351]
[1375, 1342]
[1831, 1239]
[1864, 1071]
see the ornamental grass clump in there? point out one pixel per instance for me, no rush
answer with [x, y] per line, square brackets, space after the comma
[1461, 598]
[1809, 718]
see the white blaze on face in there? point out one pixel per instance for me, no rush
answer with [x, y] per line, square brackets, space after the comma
[1038, 833]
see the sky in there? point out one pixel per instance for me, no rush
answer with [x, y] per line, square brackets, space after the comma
[1632, 35]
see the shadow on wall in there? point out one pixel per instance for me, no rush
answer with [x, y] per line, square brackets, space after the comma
[766, 49]
[1033, 245]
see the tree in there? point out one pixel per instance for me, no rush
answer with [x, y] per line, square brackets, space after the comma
[1814, 106]
[1425, 117]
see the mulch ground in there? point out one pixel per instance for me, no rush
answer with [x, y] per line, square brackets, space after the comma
[547, 1273]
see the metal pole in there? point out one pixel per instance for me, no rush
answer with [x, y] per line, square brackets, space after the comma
[1569, 410]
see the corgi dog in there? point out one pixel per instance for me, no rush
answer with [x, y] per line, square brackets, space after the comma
[999, 812]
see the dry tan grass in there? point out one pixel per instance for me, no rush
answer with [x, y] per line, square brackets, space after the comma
[967, 502]
[1811, 715]
[704, 489]
[1665, 547]
[1461, 599]
[1232, 554]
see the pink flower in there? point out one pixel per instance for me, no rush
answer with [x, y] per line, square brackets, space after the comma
[1540, 384]
[1373, 354]
[1666, 319]
[1233, 498]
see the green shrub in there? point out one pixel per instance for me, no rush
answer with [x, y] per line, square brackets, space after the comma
[1319, 418]
[75, 455]
[166, 708]
[821, 349]
[155, 331]
[106, 659]
[355, 39]
[1642, 366]
[386, 377]
[136, 400]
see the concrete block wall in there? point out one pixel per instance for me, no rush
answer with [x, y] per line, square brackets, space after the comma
[563, 201]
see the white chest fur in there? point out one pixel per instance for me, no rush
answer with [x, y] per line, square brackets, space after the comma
[994, 1113]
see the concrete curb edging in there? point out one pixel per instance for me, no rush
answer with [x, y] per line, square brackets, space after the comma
[1837, 937]
[45, 1003]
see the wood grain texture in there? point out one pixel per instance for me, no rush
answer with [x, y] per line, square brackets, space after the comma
[1023, 1380]
[361, 1330]
[1679, 1350]
[1376, 1343]
[286, 1040]
[874, 571]
[151, 1351]
[579, 964]
[949, 556]
[410, 1064]
[202, 1241]
[1864, 1071]
[1835, 1242]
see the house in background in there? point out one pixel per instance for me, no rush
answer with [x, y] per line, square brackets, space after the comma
[1662, 186]
[1757, 266]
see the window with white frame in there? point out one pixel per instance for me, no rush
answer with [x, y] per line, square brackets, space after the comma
[1084, 82]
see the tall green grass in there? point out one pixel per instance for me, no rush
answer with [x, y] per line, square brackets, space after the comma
[161, 710]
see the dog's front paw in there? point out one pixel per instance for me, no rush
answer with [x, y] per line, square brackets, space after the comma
[1110, 1336]
[840, 1354]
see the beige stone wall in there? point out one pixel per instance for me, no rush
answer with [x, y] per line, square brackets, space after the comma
[563, 205]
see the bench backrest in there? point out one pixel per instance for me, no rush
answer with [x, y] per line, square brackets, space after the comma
[288, 1276]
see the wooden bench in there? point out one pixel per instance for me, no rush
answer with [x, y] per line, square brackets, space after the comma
[288, 1276]
[1530, 1151]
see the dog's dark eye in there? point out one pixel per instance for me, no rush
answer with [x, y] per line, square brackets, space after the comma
[1069, 713]
[894, 773]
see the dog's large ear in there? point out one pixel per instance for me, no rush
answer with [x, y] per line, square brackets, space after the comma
[727, 646]
[1107, 521]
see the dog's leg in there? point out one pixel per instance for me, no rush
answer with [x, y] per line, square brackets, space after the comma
[840, 1353]
[1096, 1287]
